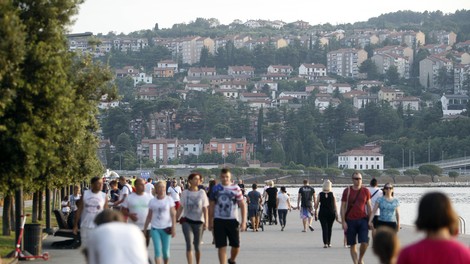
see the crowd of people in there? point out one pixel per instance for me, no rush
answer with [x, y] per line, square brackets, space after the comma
[152, 210]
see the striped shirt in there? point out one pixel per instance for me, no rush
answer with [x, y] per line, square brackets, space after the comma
[226, 200]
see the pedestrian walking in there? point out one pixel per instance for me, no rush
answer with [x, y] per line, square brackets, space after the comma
[305, 202]
[283, 206]
[254, 202]
[389, 210]
[270, 196]
[326, 203]
[355, 204]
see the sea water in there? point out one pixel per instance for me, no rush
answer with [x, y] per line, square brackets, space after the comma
[409, 199]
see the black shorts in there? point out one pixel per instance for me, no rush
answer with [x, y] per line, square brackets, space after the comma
[224, 229]
[374, 220]
[392, 225]
[253, 212]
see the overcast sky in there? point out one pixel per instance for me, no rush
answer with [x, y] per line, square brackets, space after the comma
[103, 16]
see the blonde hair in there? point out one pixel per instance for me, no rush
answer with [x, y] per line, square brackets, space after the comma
[327, 185]
[270, 183]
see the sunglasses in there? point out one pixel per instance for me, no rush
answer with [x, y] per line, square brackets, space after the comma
[357, 179]
[388, 188]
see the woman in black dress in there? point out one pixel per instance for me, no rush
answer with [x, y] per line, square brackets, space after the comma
[328, 212]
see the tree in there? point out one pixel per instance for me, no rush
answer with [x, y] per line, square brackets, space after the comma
[332, 173]
[48, 99]
[392, 75]
[206, 58]
[369, 67]
[123, 143]
[254, 171]
[431, 170]
[315, 172]
[392, 173]
[202, 171]
[454, 175]
[412, 173]
[166, 172]
[373, 173]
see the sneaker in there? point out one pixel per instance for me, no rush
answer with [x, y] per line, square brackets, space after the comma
[231, 262]
[282, 228]
[311, 228]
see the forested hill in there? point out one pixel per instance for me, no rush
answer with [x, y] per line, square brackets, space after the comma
[459, 22]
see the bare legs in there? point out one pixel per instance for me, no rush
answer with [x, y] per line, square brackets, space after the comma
[362, 252]
[223, 254]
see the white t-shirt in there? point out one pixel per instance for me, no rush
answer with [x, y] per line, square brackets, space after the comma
[175, 192]
[161, 215]
[192, 203]
[138, 204]
[282, 197]
[103, 247]
[65, 207]
[126, 189]
[375, 197]
[93, 204]
[149, 187]
[73, 199]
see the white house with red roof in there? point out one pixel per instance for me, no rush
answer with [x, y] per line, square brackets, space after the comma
[361, 159]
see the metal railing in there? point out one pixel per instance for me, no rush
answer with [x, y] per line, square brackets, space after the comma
[462, 226]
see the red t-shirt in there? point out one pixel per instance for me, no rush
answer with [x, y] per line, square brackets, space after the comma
[358, 210]
[432, 251]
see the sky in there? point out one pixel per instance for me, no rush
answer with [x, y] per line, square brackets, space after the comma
[103, 16]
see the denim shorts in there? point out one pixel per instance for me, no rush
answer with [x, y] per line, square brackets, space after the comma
[357, 228]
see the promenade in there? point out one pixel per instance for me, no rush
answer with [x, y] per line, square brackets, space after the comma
[271, 246]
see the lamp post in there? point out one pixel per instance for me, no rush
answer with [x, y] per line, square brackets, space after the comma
[120, 162]
[403, 158]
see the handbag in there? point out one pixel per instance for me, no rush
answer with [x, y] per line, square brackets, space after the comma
[167, 230]
[182, 220]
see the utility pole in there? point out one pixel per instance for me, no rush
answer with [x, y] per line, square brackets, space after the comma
[429, 151]
[403, 158]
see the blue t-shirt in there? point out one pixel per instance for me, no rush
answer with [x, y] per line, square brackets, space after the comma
[387, 209]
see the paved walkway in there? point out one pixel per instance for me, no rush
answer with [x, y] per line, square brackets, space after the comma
[270, 246]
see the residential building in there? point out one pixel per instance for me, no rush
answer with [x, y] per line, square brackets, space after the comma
[200, 87]
[228, 93]
[127, 71]
[298, 95]
[437, 48]
[323, 103]
[142, 78]
[345, 62]
[165, 69]
[361, 159]
[386, 60]
[389, 94]
[239, 85]
[407, 103]
[161, 149]
[365, 84]
[284, 69]
[341, 87]
[190, 147]
[429, 70]
[461, 77]
[241, 70]
[463, 45]
[224, 146]
[201, 72]
[147, 92]
[406, 52]
[444, 37]
[361, 101]
[454, 104]
[411, 38]
[312, 71]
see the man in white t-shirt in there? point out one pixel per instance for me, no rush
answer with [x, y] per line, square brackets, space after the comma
[125, 191]
[94, 201]
[103, 248]
[175, 192]
[149, 188]
[135, 207]
[375, 194]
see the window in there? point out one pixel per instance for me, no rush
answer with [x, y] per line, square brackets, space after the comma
[355, 166]
[367, 167]
[360, 167]
[378, 167]
[367, 158]
[360, 159]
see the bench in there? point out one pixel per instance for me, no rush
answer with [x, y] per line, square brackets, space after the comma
[65, 231]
